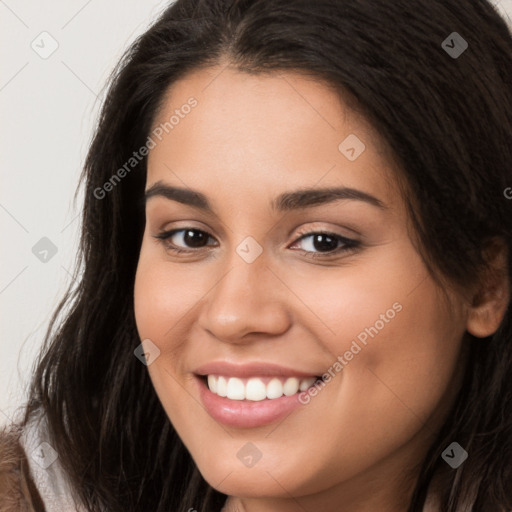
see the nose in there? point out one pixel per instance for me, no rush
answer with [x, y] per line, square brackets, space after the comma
[247, 299]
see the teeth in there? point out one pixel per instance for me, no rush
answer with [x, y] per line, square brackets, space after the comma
[236, 389]
[212, 383]
[255, 389]
[274, 389]
[291, 386]
[222, 387]
[305, 384]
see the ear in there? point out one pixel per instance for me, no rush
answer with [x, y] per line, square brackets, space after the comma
[489, 301]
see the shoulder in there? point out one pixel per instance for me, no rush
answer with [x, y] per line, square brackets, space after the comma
[18, 492]
[46, 471]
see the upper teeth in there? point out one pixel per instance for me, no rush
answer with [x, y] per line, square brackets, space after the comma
[255, 388]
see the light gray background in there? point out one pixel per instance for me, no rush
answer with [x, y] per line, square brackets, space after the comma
[48, 108]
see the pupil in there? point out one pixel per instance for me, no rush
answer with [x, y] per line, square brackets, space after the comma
[324, 242]
[189, 238]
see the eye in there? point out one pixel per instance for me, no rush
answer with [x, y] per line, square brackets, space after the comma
[324, 244]
[315, 244]
[190, 238]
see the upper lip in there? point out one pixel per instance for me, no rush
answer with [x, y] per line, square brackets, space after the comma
[249, 369]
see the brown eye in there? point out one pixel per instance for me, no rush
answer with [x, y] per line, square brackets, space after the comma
[318, 244]
[194, 238]
[180, 240]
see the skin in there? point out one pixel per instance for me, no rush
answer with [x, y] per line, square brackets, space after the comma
[360, 440]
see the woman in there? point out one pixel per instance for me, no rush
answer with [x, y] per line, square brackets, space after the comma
[296, 269]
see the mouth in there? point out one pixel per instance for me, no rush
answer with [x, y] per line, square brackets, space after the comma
[256, 388]
[251, 395]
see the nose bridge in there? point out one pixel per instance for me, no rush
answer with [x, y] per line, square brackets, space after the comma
[245, 298]
[240, 281]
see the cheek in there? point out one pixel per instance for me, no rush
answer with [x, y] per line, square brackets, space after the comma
[163, 294]
[404, 369]
[162, 298]
[399, 343]
[345, 302]
[418, 355]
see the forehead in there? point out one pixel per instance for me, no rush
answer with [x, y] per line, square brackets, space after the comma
[264, 132]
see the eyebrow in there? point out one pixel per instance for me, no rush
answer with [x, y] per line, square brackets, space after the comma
[287, 201]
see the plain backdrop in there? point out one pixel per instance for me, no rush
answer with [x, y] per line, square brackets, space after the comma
[55, 59]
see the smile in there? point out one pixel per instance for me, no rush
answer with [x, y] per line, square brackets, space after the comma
[252, 394]
[257, 388]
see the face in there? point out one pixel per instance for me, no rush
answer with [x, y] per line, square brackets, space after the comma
[251, 283]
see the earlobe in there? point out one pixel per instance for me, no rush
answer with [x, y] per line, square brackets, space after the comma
[491, 300]
[484, 321]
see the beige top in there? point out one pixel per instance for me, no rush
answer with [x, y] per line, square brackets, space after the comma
[46, 470]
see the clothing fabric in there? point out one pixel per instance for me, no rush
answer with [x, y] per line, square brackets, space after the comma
[45, 469]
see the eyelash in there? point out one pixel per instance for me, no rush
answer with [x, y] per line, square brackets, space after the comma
[349, 245]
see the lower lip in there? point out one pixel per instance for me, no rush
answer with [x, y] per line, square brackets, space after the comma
[246, 413]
